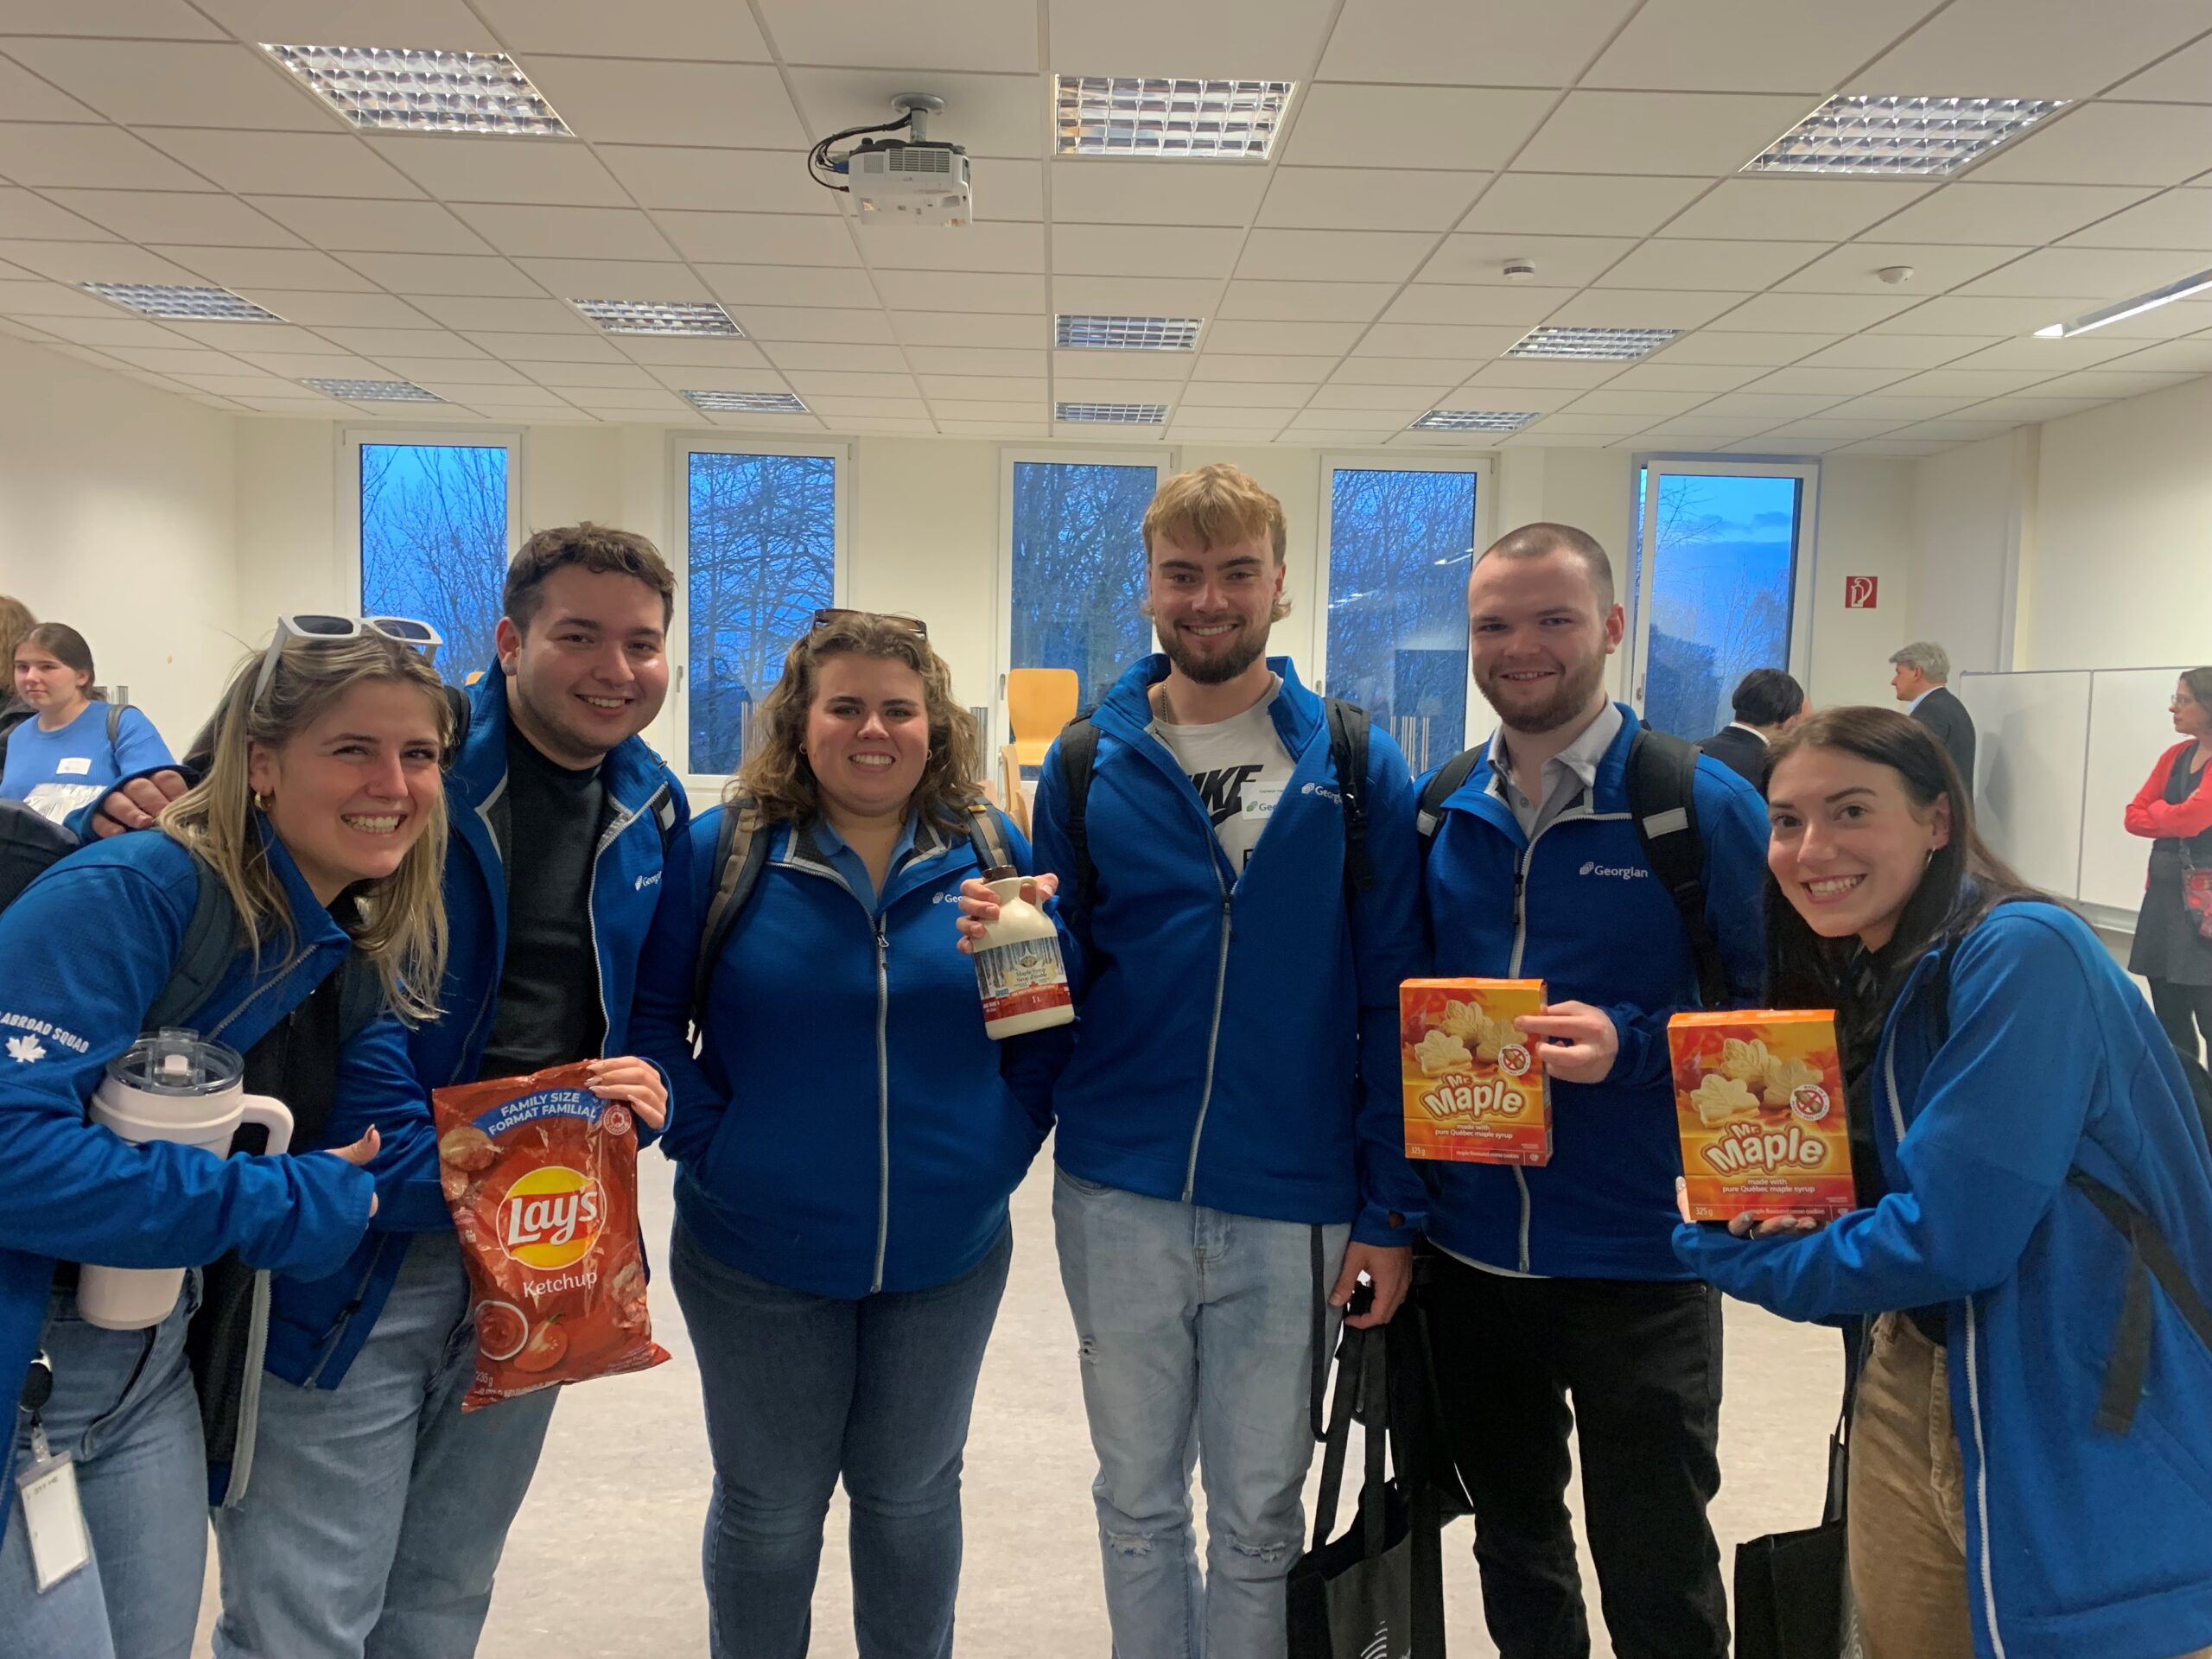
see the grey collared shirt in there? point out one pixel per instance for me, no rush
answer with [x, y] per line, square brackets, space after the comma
[1567, 777]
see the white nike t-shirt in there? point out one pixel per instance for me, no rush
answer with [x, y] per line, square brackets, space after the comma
[1240, 768]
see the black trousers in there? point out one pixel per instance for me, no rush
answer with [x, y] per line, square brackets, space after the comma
[2185, 1011]
[1641, 1364]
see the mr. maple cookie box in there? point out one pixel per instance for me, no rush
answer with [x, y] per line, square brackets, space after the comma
[1758, 1095]
[1473, 1090]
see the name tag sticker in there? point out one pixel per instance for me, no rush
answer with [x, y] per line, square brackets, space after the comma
[54, 1521]
[1259, 799]
[77, 766]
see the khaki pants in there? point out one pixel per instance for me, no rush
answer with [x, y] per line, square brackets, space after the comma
[1908, 1536]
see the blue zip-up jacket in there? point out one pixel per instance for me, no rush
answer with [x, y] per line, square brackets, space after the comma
[1238, 1045]
[84, 952]
[647, 803]
[848, 1126]
[1579, 909]
[2079, 1541]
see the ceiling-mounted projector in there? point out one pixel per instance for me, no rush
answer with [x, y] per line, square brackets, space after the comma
[912, 180]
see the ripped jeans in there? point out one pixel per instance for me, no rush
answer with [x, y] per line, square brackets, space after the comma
[1195, 1331]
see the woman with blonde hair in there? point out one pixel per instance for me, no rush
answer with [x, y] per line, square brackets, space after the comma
[848, 1138]
[315, 843]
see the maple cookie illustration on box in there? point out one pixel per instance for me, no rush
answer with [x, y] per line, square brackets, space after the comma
[1759, 1097]
[1474, 1092]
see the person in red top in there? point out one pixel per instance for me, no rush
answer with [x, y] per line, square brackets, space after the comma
[2174, 809]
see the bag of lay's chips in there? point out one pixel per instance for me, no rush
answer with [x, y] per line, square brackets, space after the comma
[1759, 1098]
[541, 1178]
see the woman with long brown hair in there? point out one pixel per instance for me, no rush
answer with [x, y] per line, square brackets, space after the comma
[2032, 1449]
[848, 1137]
[77, 743]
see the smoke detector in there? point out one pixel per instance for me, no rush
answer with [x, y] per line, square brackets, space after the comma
[1894, 275]
[1519, 270]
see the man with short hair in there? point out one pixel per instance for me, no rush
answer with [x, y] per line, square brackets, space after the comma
[1922, 668]
[1766, 703]
[1228, 1146]
[1559, 1283]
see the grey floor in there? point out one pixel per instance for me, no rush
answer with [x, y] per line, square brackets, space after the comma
[604, 1560]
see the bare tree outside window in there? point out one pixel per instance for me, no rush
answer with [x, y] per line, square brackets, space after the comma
[434, 543]
[1079, 569]
[762, 555]
[1724, 563]
[1401, 544]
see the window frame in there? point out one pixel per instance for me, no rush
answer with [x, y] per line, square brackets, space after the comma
[1161, 458]
[348, 540]
[1482, 464]
[674, 726]
[1804, 567]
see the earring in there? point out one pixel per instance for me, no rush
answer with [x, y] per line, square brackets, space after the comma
[260, 802]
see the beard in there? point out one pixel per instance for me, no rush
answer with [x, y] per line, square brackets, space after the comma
[1568, 699]
[1216, 667]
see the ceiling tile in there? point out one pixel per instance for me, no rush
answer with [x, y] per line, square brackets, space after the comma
[2178, 219]
[1101, 190]
[1580, 204]
[1401, 402]
[1560, 261]
[260, 384]
[177, 84]
[2053, 356]
[2032, 48]
[518, 394]
[1612, 399]
[1007, 190]
[1747, 350]
[177, 361]
[1401, 370]
[988, 428]
[93, 262]
[1250, 40]
[600, 376]
[1292, 338]
[988, 409]
[2057, 273]
[353, 225]
[621, 401]
[1113, 250]
[843, 358]
[1898, 449]
[1851, 268]
[1734, 46]
[2103, 382]
[1898, 351]
[1465, 304]
[1805, 209]
[117, 329]
[2109, 143]
[315, 164]
[566, 232]
[2184, 78]
[1341, 125]
[1455, 42]
[995, 35]
[1687, 264]
[1665, 375]
[1893, 406]
[1436, 342]
[1078, 389]
[1963, 314]
[36, 219]
[674, 28]
[443, 25]
[1335, 256]
[1368, 198]
[2182, 356]
[953, 360]
[442, 273]
[1258, 394]
[763, 239]
[615, 279]
[1791, 313]
[176, 216]
[681, 353]
[1643, 307]
[961, 290]
[263, 337]
[503, 315]
[1255, 366]
[841, 411]
[1541, 372]
[1781, 405]
[631, 101]
[27, 98]
[2016, 214]
[986, 115]
[435, 374]
[1476, 394]
[724, 181]
[535, 348]
[1611, 426]
[101, 158]
[1307, 301]
[1682, 133]
[1140, 296]
[1844, 383]
[377, 344]
[790, 285]
[1004, 247]
[543, 173]
[768, 322]
[299, 365]
[981, 387]
[957, 328]
[1968, 430]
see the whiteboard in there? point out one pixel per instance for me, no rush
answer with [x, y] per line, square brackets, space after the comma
[2031, 735]
[2130, 727]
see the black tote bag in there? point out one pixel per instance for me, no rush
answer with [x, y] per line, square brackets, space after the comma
[1791, 1601]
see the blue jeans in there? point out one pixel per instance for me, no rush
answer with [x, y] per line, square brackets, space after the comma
[1195, 1332]
[376, 1511]
[125, 1409]
[800, 1389]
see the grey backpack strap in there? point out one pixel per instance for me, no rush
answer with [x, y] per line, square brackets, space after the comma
[1442, 786]
[211, 938]
[741, 850]
[114, 724]
[986, 834]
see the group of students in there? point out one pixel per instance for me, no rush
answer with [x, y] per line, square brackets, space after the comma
[1241, 875]
[62, 743]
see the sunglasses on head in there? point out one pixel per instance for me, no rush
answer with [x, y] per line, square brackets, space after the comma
[401, 630]
[824, 618]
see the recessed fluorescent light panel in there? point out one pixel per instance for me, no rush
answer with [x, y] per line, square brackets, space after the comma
[659, 317]
[2134, 308]
[1473, 420]
[746, 402]
[393, 90]
[1885, 138]
[375, 391]
[1113, 414]
[1089, 333]
[1593, 345]
[1140, 115]
[185, 304]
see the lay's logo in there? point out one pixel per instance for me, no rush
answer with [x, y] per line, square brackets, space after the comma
[550, 1218]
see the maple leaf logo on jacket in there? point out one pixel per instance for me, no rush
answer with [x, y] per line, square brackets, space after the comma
[24, 1050]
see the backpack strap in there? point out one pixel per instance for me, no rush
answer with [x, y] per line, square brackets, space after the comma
[360, 996]
[210, 939]
[1348, 730]
[1443, 784]
[1077, 748]
[1663, 799]
[986, 835]
[741, 851]
[2150, 1258]
[114, 724]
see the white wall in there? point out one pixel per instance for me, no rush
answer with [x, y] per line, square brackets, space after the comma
[1972, 522]
[117, 516]
[1865, 529]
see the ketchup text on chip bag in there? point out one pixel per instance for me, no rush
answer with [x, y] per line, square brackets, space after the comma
[1759, 1098]
[1473, 1090]
[541, 1178]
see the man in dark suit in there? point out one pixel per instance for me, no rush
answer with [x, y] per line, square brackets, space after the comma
[1766, 703]
[1921, 668]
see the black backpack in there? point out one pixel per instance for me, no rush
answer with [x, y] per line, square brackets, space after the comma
[741, 851]
[1348, 727]
[1663, 800]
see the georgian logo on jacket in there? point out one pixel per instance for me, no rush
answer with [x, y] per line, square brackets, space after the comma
[1618, 872]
